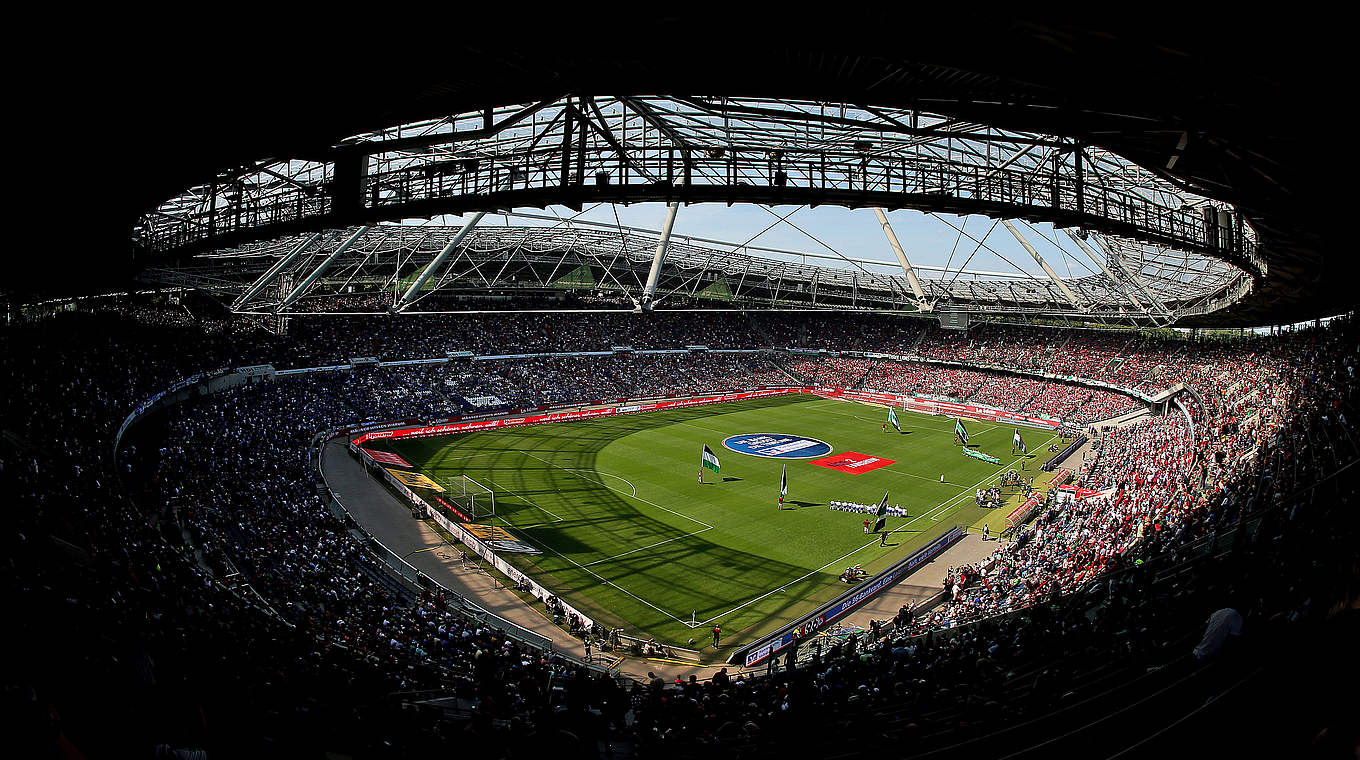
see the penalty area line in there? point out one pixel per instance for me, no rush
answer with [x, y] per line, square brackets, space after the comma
[944, 504]
[618, 491]
[746, 604]
[607, 475]
[606, 582]
[526, 500]
[644, 548]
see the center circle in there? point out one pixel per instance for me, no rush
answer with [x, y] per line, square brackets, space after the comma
[776, 445]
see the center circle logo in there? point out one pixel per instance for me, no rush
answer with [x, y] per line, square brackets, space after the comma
[777, 445]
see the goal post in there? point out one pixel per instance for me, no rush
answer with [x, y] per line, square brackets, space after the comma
[471, 497]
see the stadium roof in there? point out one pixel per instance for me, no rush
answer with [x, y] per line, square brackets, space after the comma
[1222, 107]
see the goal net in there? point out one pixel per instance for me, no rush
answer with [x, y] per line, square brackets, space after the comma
[471, 497]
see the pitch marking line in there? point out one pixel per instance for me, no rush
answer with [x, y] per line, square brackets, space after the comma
[607, 582]
[914, 475]
[946, 503]
[944, 507]
[601, 578]
[616, 490]
[644, 548]
[851, 553]
[526, 500]
[607, 475]
[469, 456]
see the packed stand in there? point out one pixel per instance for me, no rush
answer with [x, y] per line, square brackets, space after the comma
[191, 657]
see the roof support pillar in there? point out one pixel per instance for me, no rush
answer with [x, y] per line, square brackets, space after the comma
[1157, 304]
[321, 269]
[275, 271]
[901, 258]
[438, 261]
[662, 245]
[1100, 263]
[1052, 275]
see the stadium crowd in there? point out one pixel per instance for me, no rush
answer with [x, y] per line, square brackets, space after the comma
[1077, 404]
[195, 590]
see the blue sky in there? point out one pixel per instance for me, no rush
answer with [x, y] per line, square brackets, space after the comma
[927, 239]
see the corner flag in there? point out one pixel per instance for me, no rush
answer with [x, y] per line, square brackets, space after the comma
[961, 432]
[709, 459]
[892, 419]
[882, 513]
[1018, 443]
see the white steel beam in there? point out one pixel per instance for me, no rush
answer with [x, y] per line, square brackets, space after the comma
[438, 261]
[321, 269]
[654, 275]
[1156, 302]
[1119, 286]
[901, 257]
[782, 251]
[275, 271]
[1052, 275]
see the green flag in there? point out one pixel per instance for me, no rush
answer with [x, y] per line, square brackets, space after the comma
[710, 460]
[881, 513]
[892, 419]
[961, 432]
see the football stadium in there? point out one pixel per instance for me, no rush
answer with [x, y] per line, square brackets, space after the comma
[637, 552]
[910, 394]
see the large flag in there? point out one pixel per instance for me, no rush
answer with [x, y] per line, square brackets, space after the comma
[960, 431]
[892, 419]
[882, 513]
[1017, 442]
[710, 460]
[784, 482]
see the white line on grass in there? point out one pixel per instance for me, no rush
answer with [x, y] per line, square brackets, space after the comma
[644, 548]
[607, 475]
[851, 553]
[615, 490]
[607, 582]
[469, 456]
[946, 503]
[601, 578]
[914, 475]
[526, 500]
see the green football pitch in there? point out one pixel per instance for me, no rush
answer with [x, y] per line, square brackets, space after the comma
[630, 537]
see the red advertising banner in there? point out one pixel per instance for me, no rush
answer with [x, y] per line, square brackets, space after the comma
[387, 457]
[912, 403]
[583, 414]
[852, 462]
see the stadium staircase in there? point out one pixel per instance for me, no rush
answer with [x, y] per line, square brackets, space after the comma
[758, 330]
[797, 378]
[859, 384]
[915, 344]
[1117, 361]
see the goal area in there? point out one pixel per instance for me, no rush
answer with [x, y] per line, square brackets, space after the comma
[470, 496]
